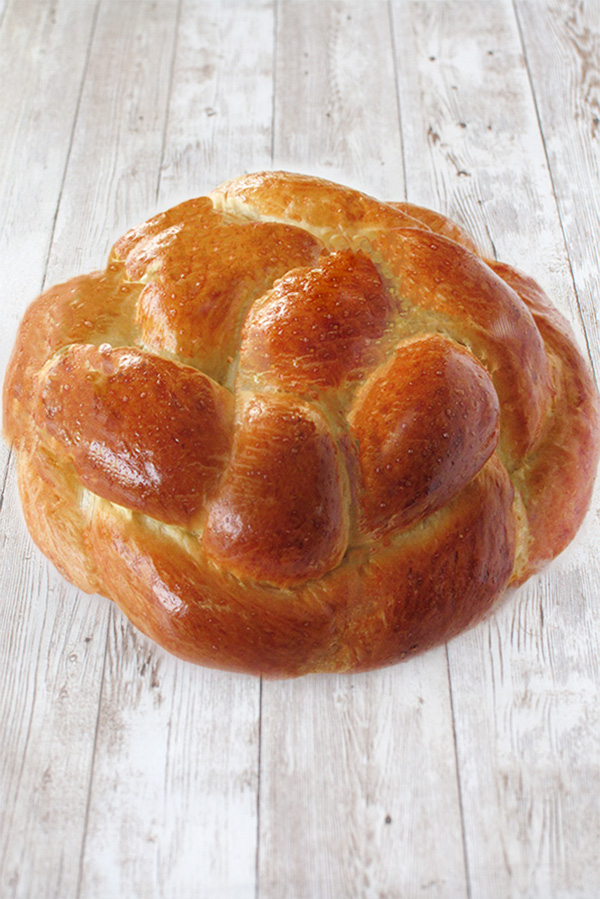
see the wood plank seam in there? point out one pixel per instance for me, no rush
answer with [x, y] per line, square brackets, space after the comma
[397, 91]
[66, 165]
[46, 265]
[168, 98]
[92, 764]
[275, 7]
[5, 475]
[274, 67]
[258, 773]
[71, 138]
[554, 193]
[459, 785]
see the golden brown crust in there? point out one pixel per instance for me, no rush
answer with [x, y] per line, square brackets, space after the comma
[454, 291]
[321, 207]
[424, 426]
[280, 514]
[201, 271]
[318, 328]
[438, 223]
[141, 431]
[89, 309]
[292, 428]
[557, 478]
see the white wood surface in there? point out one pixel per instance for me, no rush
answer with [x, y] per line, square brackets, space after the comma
[468, 773]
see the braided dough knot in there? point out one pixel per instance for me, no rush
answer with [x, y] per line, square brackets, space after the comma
[292, 428]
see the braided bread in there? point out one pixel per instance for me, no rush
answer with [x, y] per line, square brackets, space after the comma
[291, 428]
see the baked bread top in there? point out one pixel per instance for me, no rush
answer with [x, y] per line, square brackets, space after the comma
[291, 428]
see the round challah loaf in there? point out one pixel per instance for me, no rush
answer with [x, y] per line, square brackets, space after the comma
[291, 428]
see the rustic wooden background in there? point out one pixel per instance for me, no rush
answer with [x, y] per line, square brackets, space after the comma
[470, 773]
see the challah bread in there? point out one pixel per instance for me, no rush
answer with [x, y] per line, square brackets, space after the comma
[291, 428]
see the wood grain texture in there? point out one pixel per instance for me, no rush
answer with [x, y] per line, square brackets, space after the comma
[335, 108]
[336, 760]
[519, 688]
[469, 772]
[49, 646]
[33, 40]
[221, 105]
[354, 771]
[122, 120]
[52, 653]
[195, 826]
[562, 46]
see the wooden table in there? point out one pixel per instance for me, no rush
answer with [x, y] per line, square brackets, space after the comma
[473, 771]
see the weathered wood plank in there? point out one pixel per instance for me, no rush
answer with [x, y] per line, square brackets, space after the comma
[473, 147]
[39, 101]
[111, 181]
[357, 775]
[52, 656]
[221, 106]
[120, 129]
[334, 97]
[173, 800]
[353, 769]
[176, 762]
[34, 84]
[524, 685]
[562, 45]
[48, 643]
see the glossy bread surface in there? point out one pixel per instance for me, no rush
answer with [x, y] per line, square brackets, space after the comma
[291, 428]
